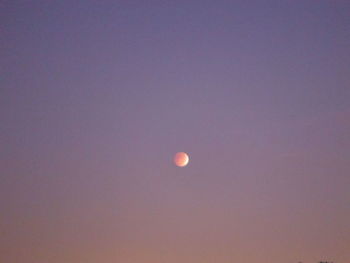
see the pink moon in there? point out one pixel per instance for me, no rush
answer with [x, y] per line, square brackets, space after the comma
[181, 159]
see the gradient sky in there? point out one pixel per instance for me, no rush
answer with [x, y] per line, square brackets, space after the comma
[96, 97]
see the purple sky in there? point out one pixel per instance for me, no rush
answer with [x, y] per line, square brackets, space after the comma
[96, 97]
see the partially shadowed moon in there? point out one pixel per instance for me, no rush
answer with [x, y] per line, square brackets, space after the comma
[181, 159]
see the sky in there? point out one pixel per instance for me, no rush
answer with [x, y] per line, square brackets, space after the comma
[96, 98]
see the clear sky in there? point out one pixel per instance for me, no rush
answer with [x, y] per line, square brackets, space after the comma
[96, 97]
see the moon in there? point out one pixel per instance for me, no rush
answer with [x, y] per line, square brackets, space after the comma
[181, 159]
